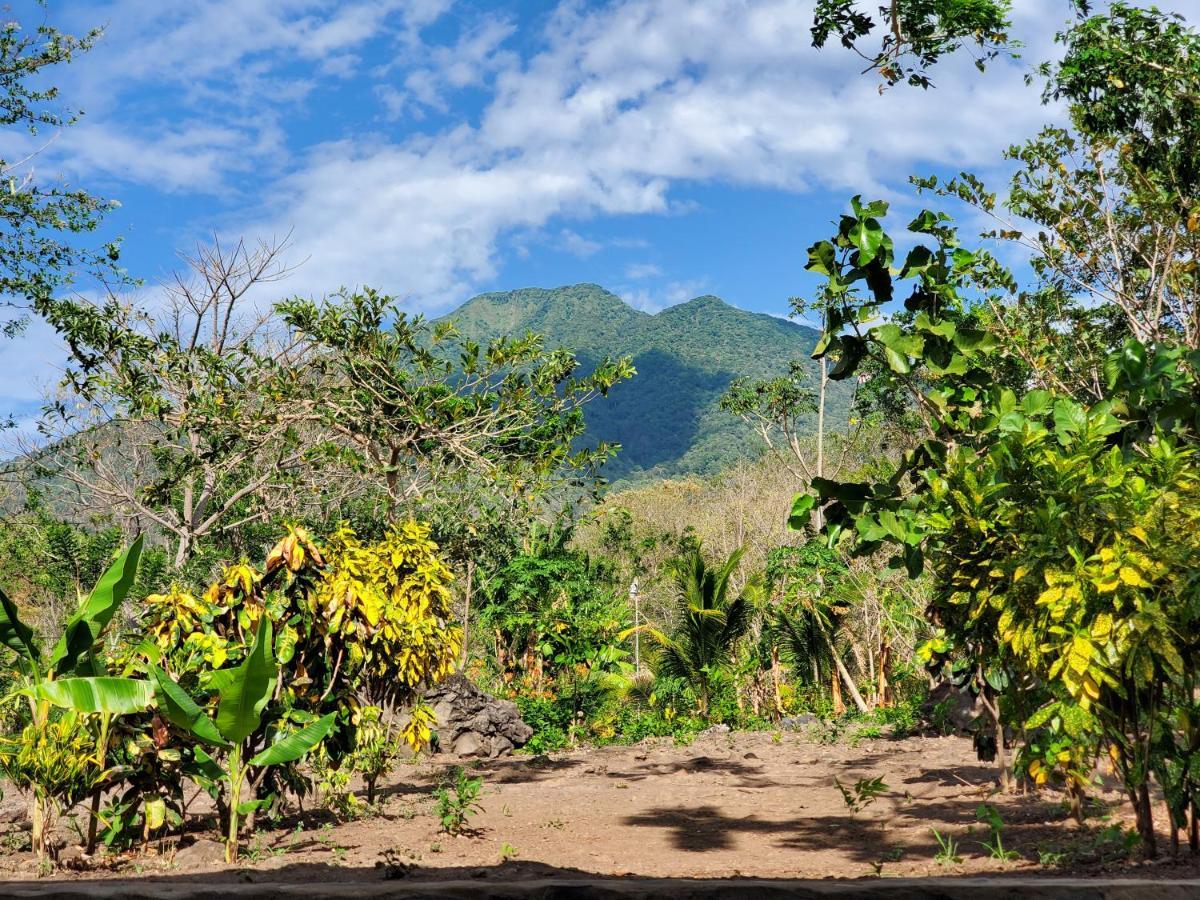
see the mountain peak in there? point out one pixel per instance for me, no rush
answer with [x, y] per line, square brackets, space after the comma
[667, 419]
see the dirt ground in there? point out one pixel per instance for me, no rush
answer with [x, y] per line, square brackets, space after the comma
[752, 805]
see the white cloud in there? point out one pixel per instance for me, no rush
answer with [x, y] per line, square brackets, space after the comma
[637, 271]
[672, 294]
[619, 108]
[577, 245]
[624, 103]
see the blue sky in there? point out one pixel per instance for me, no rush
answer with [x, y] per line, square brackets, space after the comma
[439, 148]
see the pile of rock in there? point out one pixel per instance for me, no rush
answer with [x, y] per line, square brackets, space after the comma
[472, 723]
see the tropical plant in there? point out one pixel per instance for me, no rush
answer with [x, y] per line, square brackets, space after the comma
[242, 694]
[283, 652]
[73, 677]
[711, 619]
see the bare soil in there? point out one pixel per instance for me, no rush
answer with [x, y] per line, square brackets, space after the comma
[728, 805]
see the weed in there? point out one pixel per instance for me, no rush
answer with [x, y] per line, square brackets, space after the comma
[1051, 858]
[828, 731]
[507, 852]
[457, 801]
[866, 733]
[947, 854]
[435, 847]
[988, 814]
[864, 792]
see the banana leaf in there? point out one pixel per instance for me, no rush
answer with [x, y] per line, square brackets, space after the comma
[108, 695]
[89, 621]
[16, 635]
[182, 710]
[296, 744]
[245, 689]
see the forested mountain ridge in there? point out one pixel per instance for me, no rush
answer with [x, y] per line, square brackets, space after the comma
[667, 419]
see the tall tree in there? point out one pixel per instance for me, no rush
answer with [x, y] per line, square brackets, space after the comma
[183, 412]
[428, 418]
[40, 221]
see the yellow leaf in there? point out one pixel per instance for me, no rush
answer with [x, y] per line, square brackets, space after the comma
[1133, 577]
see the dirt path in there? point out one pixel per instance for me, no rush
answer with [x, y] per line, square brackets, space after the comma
[752, 805]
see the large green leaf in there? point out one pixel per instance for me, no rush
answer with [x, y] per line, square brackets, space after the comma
[800, 516]
[89, 621]
[182, 710]
[108, 695]
[245, 690]
[15, 634]
[296, 744]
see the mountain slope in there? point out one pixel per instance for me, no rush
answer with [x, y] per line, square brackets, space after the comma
[667, 419]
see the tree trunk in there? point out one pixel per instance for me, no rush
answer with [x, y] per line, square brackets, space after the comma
[835, 687]
[93, 819]
[992, 704]
[466, 634]
[775, 679]
[846, 679]
[818, 513]
[1140, 799]
[884, 689]
[39, 826]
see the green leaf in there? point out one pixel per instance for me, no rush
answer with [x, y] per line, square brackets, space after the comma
[822, 258]
[1069, 417]
[245, 690]
[180, 709]
[296, 744]
[15, 634]
[107, 695]
[205, 768]
[945, 328]
[973, 340]
[867, 235]
[802, 505]
[89, 621]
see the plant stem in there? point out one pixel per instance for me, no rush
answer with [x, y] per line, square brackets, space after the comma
[235, 798]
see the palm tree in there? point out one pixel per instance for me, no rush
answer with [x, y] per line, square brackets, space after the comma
[710, 622]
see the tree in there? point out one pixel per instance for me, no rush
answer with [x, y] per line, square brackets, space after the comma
[187, 414]
[710, 622]
[428, 418]
[39, 253]
[1054, 531]
[916, 33]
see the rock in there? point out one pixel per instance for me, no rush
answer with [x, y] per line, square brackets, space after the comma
[471, 723]
[719, 728]
[797, 723]
[951, 709]
[750, 756]
[201, 852]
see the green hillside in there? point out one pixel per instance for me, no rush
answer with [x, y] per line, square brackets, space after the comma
[667, 419]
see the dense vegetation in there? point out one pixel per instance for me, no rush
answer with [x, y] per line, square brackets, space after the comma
[260, 538]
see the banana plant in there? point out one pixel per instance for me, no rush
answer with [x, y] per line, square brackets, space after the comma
[73, 677]
[242, 695]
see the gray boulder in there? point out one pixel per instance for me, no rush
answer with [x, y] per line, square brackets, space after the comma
[472, 723]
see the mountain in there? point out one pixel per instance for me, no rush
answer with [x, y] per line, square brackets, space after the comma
[667, 419]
